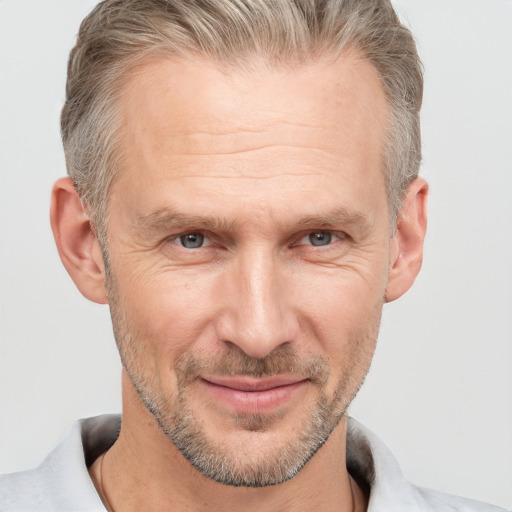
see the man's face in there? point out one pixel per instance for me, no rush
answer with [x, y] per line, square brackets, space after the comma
[249, 251]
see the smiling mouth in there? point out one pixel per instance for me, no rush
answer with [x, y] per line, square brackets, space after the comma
[253, 395]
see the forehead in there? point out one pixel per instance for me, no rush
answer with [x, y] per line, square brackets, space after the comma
[263, 132]
[182, 98]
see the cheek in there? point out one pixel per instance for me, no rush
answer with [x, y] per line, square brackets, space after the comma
[342, 298]
[168, 310]
[343, 311]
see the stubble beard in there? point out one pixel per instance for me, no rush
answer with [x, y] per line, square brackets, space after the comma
[216, 461]
[225, 463]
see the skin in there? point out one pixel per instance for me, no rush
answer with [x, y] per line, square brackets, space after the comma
[255, 162]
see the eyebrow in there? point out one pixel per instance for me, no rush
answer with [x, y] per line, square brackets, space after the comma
[168, 218]
[341, 215]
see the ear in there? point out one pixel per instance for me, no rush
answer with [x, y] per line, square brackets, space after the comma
[76, 241]
[407, 243]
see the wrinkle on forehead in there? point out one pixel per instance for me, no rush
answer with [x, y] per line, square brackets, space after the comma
[240, 176]
[171, 144]
[242, 151]
[251, 129]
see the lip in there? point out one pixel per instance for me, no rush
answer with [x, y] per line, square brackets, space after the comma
[253, 395]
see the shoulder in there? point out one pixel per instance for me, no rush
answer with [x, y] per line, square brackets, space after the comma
[371, 463]
[439, 501]
[22, 492]
[61, 481]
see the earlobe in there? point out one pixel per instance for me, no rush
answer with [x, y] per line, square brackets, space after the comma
[406, 253]
[76, 241]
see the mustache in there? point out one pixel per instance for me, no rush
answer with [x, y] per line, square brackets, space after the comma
[234, 361]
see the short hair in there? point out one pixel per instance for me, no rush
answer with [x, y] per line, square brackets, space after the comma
[120, 34]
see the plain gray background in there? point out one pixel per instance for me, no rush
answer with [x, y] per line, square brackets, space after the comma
[440, 389]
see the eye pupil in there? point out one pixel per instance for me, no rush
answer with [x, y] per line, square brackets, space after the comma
[320, 238]
[192, 240]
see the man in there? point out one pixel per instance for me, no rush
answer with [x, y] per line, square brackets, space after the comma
[244, 195]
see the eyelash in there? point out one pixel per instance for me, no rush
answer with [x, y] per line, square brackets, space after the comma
[337, 235]
[176, 238]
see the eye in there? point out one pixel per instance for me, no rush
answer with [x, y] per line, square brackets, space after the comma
[191, 240]
[320, 238]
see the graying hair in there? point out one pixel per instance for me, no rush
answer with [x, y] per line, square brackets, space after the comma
[120, 34]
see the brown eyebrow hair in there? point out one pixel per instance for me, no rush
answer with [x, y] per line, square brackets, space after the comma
[168, 218]
[341, 215]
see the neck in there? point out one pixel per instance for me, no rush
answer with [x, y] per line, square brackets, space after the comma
[145, 471]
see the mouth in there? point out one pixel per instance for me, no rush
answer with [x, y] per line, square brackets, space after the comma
[249, 395]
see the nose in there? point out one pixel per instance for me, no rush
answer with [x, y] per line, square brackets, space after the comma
[257, 307]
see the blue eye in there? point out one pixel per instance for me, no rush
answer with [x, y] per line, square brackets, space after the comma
[320, 238]
[191, 240]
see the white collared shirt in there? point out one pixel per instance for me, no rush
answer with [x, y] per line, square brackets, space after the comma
[62, 483]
